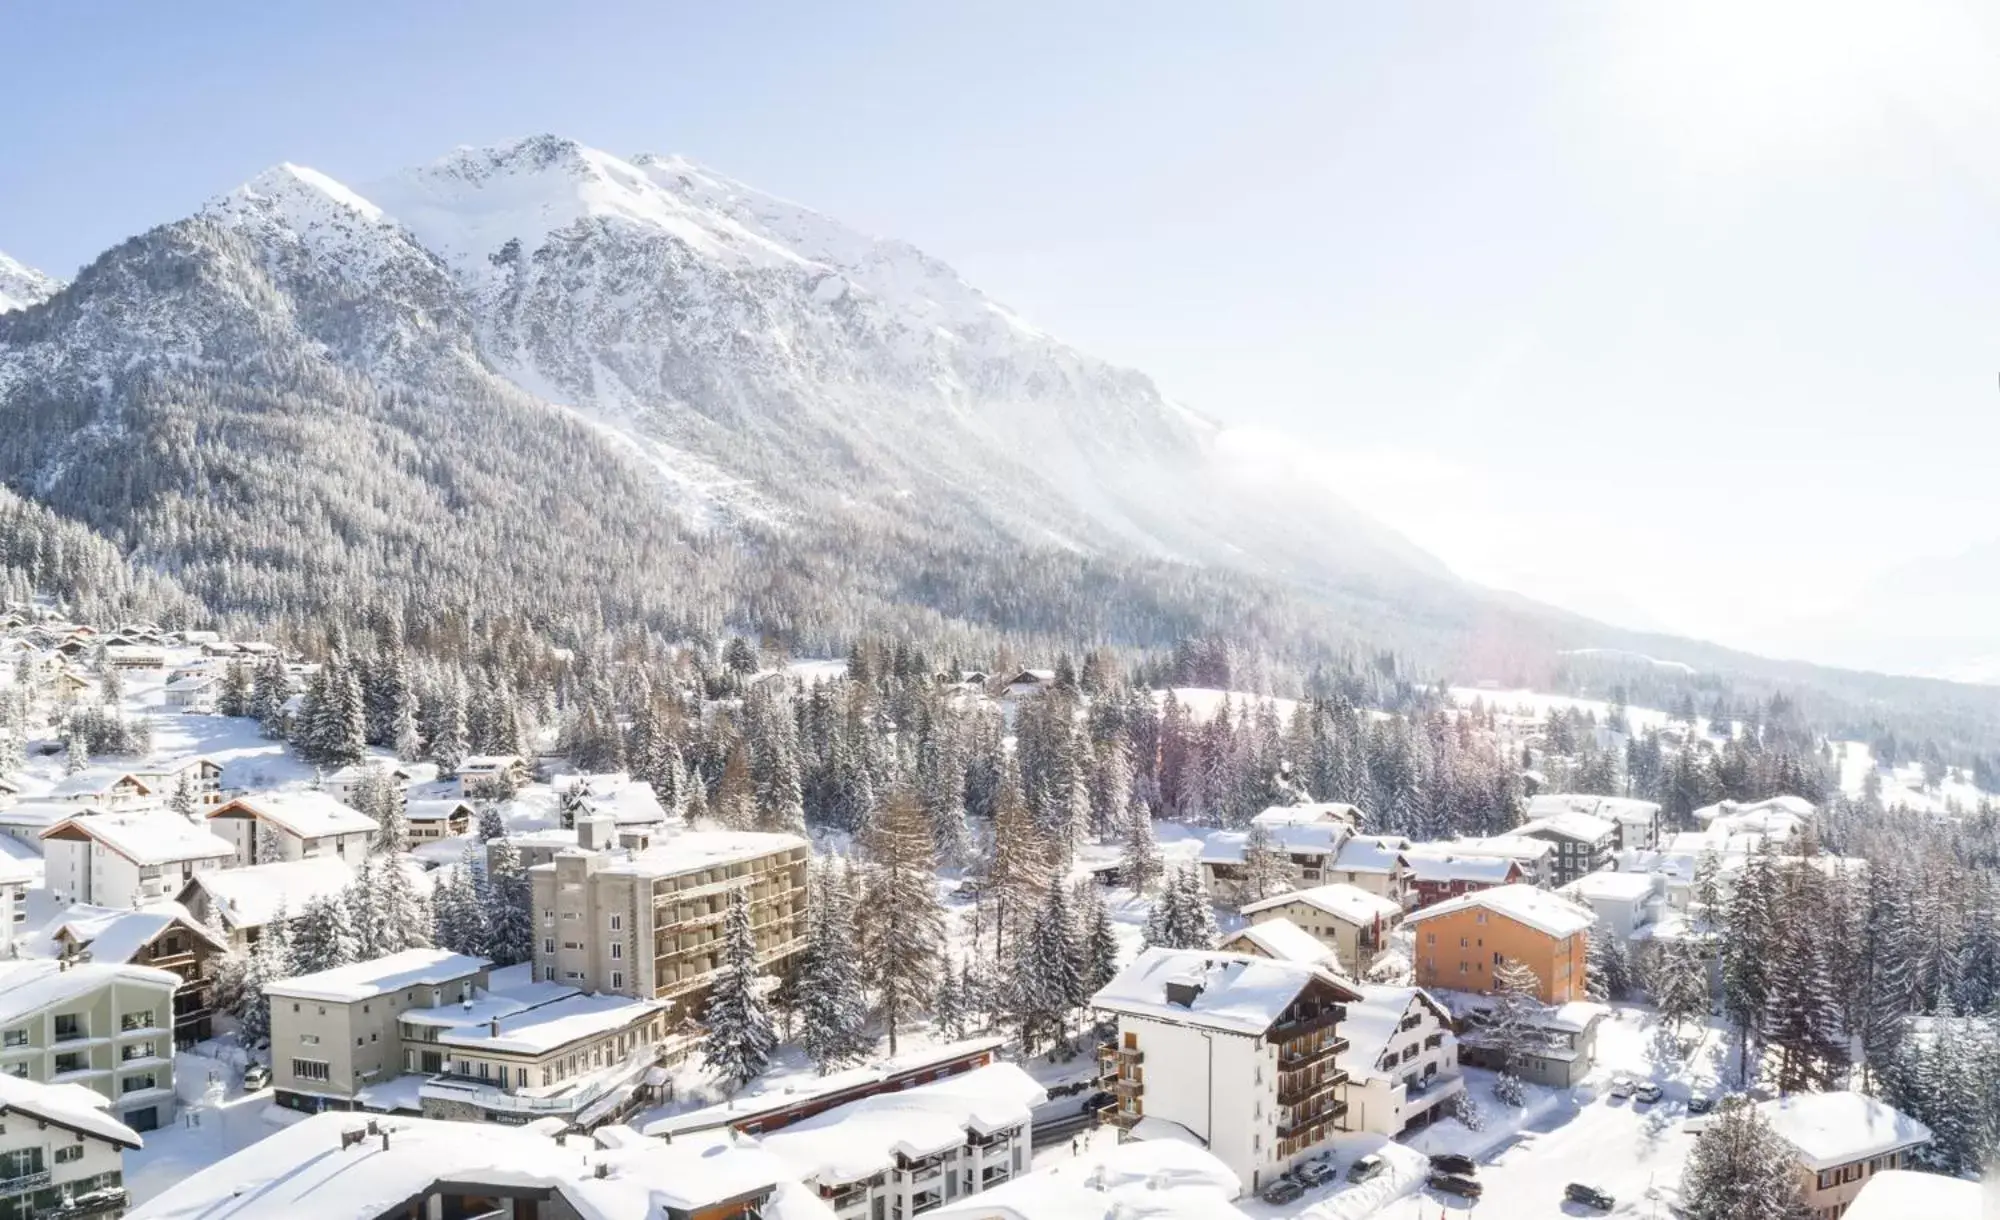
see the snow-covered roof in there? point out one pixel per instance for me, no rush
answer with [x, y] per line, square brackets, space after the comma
[1302, 839]
[1137, 1179]
[31, 985]
[487, 764]
[1829, 1129]
[301, 1172]
[1796, 806]
[693, 850]
[112, 935]
[440, 810]
[1347, 903]
[1437, 864]
[145, 836]
[1278, 938]
[1230, 991]
[1508, 846]
[250, 897]
[191, 682]
[1902, 1194]
[307, 814]
[763, 1097]
[1609, 808]
[1306, 815]
[489, 1004]
[863, 1138]
[379, 976]
[92, 782]
[1607, 886]
[1371, 854]
[627, 801]
[1537, 908]
[40, 815]
[1372, 1022]
[65, 1105]
[1583, 827]
[542, 1028]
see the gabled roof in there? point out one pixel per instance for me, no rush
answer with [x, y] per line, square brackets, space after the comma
[482, 763]
[440, 810]
[114, 936]
[1302, 839]
[1524, 904]
[1435, 863]
[1278, 938]
[72, 1107]
[1371, 854]
[1347, 903]
[1610, 886]
[1230, 991]
[1581, 827]
[1306, 815]
[144, 836]
[95, 781]
[306, 814]
[1372, 1023]
[1610, 808]
[1829, 1129]
[250, 897]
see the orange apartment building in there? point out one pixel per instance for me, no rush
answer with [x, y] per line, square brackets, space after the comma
[1460, 942]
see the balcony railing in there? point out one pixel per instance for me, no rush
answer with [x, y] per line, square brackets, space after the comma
[1125, 1086]
[1294, 1093]
[25, 1183]
[1293, 1061]
[1124, 1120]
[1297, 1027]
[1318, 1117]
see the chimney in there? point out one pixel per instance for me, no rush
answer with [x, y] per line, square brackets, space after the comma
[602, 1170]
[595, 832]
[385, 1139]
[492, 1025]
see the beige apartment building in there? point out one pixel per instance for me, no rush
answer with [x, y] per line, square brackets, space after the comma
[107, 1028]
[649, 924]
[335, 1034]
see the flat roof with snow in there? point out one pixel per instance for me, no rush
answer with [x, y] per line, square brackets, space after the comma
[1158, 1179]
[71, 1106]
[28, 986]
[366, 980]
[1582, 827]
[694, 850]
[307, 814]
[539, 1029]
[863, 1138]
[1537, 908]
[1611, 887]
[252, 897]
[1900, 1194]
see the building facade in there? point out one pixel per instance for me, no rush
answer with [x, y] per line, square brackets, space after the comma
[128, 858]
[1352, 922]
[1401, 1062]
[1460, 944]
[1841, 1140]
[108, 1028]
[336, 1033]
[267, 827]
[61, 1154]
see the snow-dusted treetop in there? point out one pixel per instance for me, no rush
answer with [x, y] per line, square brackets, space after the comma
[22, 285]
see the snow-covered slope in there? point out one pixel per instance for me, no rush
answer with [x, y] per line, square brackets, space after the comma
[22, 286]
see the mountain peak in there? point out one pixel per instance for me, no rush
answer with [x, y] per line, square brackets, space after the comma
[293, 191]
[22, 285]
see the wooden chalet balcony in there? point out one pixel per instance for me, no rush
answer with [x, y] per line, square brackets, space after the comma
[1313, 1022]
[1300, 1092]
[1122, 1119]
[1110, 1053]
[1292, 1061]
[1124, 1086]
[1302, 1123]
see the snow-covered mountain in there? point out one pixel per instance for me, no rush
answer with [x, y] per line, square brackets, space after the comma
[22, 286]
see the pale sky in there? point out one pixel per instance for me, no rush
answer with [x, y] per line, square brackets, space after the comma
[1680, 315]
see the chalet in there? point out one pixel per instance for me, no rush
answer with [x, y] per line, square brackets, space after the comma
[1401, 1061]
[293, 826]
[1281, 940]
[1348, 920]
[1840, 1141]
[1375, 863]
[163, 936]
[1637, 822]
[1437, 873]
[1626, 904]
[1460, 943]
[63, 1151]
[195, 694]
[345, 782]
[128, 857]
[1242, 1054]
[246, 900]
[203, 773]
[626, 801]
[1028, 683]
[135, 656]
[444, 818]
[491, 775]
[1562, 1052]
[1584, 842]
[104, 787]
[1537, 857]
[1304, 850]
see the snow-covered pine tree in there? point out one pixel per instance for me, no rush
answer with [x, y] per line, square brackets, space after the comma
[1514, 1025]
[406, 915]
[379, 797]
[1100, 944]
[270, 690]
[947, 1007]
[1266, 874]
[186, 801]
[372, 935]
[1801, 1019]
[266, 846]
[1608, 969]
[450, 737]
[1740, 1169]
[1140, 866]
[1048, 975]
[740, 1039]
[234, 699]
[1680, 982]
[491, 825]
[832, 998]
[323, 936]
[458, 910]
[1747, 951]
[1195, 912]
[509, 915]
[901, 923]
[77, 757]
[1016, 870]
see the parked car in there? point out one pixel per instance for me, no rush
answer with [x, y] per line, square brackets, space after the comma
[1284, 1190]
[1589, 1196]
[1700, 1104]
[1456, 1184]
[1316, 1173]
[1099, 1102]
[1648, 1093]
[256, 1076]
[1366, 1168]
[1623, 1086]
[1453, 1162]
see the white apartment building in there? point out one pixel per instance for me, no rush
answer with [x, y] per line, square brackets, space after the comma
[485, 776]
[16, 876]
[650, 923]
[1375, 863]
[1637, 821]
[1352, 922]
[108, 1028]
[1625, 903]
[1281, 939]
[1240, 1052]
[302, 825]
[1537, 857]
[1584, 842]
[128, 858]
[1401, 1062]
[105, 787]
[336, 1033]
[61, 1153]
[907, 1152]
[202, 773]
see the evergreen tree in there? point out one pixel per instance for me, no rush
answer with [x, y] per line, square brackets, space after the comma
[901, 922]
[947, 1008]
[1266, 872]
[1515, 1027]
[832, 998]
[1140, 864]
[1607, 969]
[406, 916]
[1100, 945]
[1680, 982]
[491, 825]
[1740, 1169]
[740, 1039]
[450, 736]
[458, 910]
[372, 934]
[1048, 977]
[323, 937]
[270, 690]
[1016, 870]
[186, 801]
[235, 697]
[509, 911]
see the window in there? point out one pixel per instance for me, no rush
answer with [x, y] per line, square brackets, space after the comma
[548, 974]
[72, 1153]
[617, 923]
[1479, 917]
[617, 979]
[548, 944]
[1461, 968]
[548, 918]
[136, 1084]
[15, 1037]
[1430, 938]
[311, 1069]
[136, 1050]
[1464, 942]
[520, 1078]
[1497, 959]
[20, 1163]
[143, 1019]
[69, 1025]
[617, 950]
[309, 1039]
